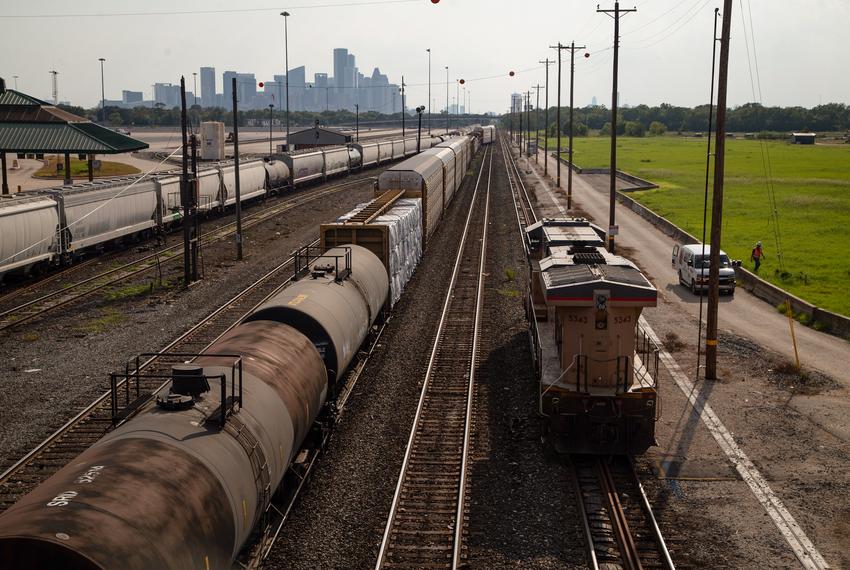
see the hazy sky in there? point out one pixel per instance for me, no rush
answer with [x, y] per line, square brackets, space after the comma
[665, 54]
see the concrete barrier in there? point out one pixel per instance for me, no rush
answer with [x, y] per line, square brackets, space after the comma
[832, 322]
[637, 183]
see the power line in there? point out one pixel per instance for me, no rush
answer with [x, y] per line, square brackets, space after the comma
[205, 12]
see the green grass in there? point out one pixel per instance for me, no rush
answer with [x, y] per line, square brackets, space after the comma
[108, 319]
[812, 188]
[80, 169]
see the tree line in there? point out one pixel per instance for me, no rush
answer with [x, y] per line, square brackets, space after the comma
[642, 119]
[160, 116]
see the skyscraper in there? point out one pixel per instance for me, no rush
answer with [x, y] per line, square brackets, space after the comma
[228, 89]
[207, 86]
[246, 90]
[340, 65]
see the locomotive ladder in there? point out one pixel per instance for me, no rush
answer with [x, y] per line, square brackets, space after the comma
[426, 522]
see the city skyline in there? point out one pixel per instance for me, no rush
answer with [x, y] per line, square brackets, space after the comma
[346, 89]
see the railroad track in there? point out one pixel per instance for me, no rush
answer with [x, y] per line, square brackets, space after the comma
[96, 420]
[522, 201]
[427, 519]
[620, 528]
[39, 306]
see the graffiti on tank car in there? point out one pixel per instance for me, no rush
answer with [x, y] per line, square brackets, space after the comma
[62, 499]
[90, 475]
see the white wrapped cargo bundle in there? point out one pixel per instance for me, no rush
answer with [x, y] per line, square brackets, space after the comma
[404, 224]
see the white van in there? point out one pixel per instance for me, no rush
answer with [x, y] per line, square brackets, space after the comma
[692, 267]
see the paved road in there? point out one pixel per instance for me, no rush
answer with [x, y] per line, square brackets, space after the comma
[744, 315]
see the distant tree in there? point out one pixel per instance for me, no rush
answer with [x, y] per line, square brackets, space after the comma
[605, 131]
[115, 118]
[657, 128]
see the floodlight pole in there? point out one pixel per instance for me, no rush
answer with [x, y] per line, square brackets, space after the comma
[236, 166]
[547, 62]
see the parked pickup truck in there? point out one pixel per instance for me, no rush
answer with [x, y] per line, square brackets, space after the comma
[692, 266]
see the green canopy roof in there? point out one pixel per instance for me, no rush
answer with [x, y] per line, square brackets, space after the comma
[28, 124]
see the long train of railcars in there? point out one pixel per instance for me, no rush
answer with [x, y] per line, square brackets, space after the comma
[47, 227]
[183, 483]
[597, 370]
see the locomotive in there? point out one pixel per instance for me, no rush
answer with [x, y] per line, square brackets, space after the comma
[597, 370]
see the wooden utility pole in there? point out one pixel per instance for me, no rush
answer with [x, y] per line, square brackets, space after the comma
[537, 124]
[236, 173]
[573, 49]
[717, 198]
[546, 62]
[612, 229]
[184, 189]
[560, 48]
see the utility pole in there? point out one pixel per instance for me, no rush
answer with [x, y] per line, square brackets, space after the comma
[537, 124]
[236, 165]
[55, 84]
[184, 188]
[402, 106]
[717, 199]
[612, 230]
[429, 90]
[573, 49]
[527, 122]
[102, 94]
[286, 64]
[447, 99]
[560, 47]
[547, 62]
[708, 155]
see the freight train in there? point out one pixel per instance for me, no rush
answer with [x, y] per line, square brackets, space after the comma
[597, 370]
[183, 483]
[47, 227]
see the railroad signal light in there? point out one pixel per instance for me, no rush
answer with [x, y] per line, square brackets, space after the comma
[462, 81]
[587, 54]
[511, 74]
[262, 84]
[435, 1]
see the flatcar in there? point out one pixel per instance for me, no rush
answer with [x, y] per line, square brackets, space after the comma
[597, 370]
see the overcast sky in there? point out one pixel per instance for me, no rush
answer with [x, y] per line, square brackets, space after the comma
[665, 56]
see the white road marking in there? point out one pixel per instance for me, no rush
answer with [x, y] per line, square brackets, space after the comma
[803, 548]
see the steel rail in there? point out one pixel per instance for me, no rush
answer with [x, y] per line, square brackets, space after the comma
[521, 217]
[385, 541]
[626, 535]
[476, 337]
[211, 236]
[650, 516]
[90, 409]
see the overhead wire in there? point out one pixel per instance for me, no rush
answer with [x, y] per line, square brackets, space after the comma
[205, 12]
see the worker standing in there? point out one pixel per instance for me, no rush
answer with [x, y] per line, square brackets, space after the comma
[757, 255]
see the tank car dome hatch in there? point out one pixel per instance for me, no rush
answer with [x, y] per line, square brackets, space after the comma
[335, 314]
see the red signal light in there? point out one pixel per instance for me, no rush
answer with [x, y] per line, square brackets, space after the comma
[586, 54]
[511, 74]
[462, 81]
[261, 84]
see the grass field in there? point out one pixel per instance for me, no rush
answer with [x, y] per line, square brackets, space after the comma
[812, 188]
[80, 169]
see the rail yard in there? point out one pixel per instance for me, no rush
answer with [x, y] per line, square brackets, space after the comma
[468, 399]
[327, 326]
